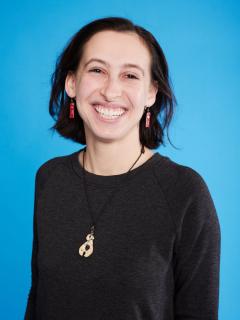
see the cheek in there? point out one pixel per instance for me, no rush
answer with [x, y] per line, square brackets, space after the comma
[85, 87]
[136, 98]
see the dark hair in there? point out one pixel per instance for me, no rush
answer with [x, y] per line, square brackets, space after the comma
[69, 59]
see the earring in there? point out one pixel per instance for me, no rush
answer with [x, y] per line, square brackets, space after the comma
[71, 109]
[148, 117]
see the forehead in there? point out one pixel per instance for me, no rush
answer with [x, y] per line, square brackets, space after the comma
[117, 48]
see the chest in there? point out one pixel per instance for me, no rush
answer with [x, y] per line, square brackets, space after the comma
[132, 249]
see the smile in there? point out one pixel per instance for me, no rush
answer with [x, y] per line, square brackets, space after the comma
[109, 113]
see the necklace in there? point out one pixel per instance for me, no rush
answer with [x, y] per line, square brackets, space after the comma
[86, 249]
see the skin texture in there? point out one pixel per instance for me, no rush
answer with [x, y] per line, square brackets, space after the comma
[112, 147]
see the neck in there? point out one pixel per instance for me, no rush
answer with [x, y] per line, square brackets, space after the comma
[113, 158]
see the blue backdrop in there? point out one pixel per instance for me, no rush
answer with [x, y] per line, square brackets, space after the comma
[201, 43]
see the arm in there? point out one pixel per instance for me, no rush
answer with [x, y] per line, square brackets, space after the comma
[197, 257]
[30, 309]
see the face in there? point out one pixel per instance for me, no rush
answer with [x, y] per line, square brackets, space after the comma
[112, 85]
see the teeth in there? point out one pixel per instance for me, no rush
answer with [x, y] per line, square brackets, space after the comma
[109, 112]
[108, 117]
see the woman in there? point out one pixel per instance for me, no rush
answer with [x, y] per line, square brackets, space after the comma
[120, 232]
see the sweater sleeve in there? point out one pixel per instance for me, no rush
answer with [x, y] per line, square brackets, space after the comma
[197, 256]
[30, 309]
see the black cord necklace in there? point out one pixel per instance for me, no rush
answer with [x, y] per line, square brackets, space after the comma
[86, 249]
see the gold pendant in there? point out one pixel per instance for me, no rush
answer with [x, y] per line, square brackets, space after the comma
[86, 249]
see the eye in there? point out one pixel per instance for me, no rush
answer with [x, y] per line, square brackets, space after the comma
[132, 76]
[94, 70]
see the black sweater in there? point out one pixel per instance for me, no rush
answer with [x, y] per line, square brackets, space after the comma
[156, 249]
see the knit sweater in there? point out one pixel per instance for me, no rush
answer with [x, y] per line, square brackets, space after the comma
[156, 252]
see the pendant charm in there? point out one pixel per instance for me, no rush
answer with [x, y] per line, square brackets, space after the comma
[87, 248]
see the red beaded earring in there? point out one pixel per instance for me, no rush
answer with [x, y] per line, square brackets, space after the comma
[71, 109]
[148, 117]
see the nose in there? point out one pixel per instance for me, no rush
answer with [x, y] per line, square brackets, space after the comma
[111, 89]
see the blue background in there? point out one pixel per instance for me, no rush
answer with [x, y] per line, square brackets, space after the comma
[201, 43]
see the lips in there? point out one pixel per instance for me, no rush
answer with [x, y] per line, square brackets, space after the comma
[109, 105]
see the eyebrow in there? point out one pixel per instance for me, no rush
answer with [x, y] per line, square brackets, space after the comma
[131, 65]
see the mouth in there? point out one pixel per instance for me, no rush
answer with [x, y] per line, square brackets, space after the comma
[110, 111]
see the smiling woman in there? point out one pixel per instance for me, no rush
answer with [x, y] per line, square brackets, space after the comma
[120, 232]
[122, 85]
[113, 54]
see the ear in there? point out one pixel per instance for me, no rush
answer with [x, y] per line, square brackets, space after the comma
[152, 93]
[70, 84]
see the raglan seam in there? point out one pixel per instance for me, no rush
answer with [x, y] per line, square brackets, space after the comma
[165, 198]
[41, 169]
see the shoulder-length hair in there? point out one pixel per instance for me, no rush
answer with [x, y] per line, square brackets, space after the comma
[161, 111]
